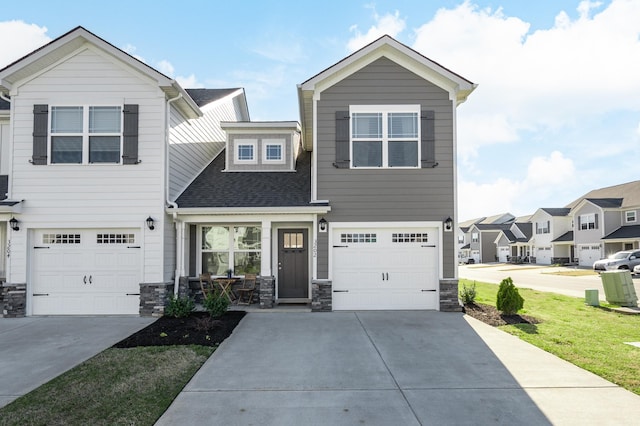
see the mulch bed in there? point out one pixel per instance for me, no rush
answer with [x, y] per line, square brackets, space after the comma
[196, 329]
[490, 315]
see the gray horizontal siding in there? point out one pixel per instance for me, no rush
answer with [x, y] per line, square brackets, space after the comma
[388, 194]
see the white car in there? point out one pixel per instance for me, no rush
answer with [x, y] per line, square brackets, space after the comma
[627, 259]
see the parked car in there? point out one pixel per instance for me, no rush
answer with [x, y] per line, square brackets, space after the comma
[627, 259]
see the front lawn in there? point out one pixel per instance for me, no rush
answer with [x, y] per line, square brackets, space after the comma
[132, 386]
[589, 337]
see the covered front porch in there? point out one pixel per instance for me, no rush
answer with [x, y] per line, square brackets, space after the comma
[279, 246]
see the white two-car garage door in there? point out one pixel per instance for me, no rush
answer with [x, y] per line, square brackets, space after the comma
[385, 268]
[85, 272]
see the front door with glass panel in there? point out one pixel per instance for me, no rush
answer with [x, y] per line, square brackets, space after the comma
[293, 264]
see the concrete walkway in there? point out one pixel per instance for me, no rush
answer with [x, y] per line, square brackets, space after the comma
[34, 350]
[390, 368]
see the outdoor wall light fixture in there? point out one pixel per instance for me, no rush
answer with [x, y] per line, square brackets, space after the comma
[323, 225]
[448, 224]
[150, 224]
[13, 222]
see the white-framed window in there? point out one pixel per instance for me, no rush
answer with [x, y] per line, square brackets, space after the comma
[385, 136]
[475, 237]
[273, 151]
[588, 221]
[245, 151]
[543, 227]
[85, 134]
[236, 247]
[630, 216]
[461, 239]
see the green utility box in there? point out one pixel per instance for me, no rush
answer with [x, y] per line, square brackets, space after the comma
[618, 288]
[591, 297]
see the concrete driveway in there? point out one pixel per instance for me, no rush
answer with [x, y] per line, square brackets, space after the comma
[390, 368]
[34, 350]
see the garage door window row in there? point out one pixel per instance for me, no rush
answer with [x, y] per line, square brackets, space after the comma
[359, 238]
[61, 239]
[410, 238]
[116, 238]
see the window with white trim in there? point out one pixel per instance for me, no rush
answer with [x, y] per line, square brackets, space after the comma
[85, 134]
[273, 151]
[385, 136]
[630, 216]
[245, 151]
[225, 247]
[588, 221]
[475, 237]
[542, 227]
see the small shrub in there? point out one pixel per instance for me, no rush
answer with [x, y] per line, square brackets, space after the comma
[180, 307]
[468, 294]
[508, 300]
[216, 304]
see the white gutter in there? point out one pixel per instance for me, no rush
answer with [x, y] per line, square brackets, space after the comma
[176, 273]
[252, 210]
[3, 97]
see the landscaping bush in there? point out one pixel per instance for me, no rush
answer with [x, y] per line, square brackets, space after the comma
[508, 299]
[216, 303]
[180, 307]
[468, 294]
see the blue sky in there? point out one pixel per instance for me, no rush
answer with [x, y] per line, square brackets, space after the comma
[556, 112]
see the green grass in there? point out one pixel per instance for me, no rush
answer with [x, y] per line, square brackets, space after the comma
[118, 386]
[589, 337]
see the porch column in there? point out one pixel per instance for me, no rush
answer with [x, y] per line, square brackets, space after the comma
[265, 263]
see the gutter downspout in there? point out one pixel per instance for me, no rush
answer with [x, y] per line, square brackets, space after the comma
[178, 248]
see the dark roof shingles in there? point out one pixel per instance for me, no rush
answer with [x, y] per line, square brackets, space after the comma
[205, 96]
[215, 188]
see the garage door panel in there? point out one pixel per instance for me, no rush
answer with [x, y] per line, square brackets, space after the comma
[385, 269]
[372, 299]
[81, 272]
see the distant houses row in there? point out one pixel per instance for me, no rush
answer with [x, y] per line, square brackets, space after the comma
[595, 225]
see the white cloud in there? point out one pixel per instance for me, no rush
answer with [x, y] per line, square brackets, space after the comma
[24, 39]
[546, 177]
[280, 48]
[165, 67]
[189, 82]
[390, 24]
[551, 78]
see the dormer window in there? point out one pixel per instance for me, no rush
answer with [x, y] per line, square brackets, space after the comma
[246, 151]
[273, 151]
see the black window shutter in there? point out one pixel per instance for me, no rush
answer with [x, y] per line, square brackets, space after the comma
[130, 134]
[342, 140]
[428, 139]
[40, 134]
[537, 228]
[548, 226]
[596, 220]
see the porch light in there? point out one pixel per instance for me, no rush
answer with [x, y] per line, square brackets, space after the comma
[322, 225]
[448, 224]
[150, 224]
[13, 222]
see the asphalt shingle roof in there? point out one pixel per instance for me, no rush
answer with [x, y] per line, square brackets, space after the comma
[632, 231]
[629, 192]
[205, 96]
[215, 188]
[606, 202]
[557, 211]
[566, 237]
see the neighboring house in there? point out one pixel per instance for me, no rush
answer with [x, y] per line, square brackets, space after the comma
[548, 225]
[354, 214]
[353, 208]
[464, 241]
[98, 144]
[592, 227]
[482, 234]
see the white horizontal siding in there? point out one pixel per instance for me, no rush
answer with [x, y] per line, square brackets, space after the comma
[195, 143]
[90, 196]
